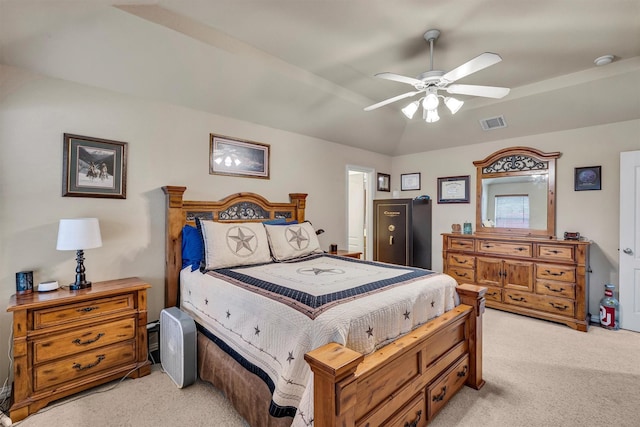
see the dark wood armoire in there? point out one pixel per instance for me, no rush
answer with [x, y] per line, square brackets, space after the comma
[402, 232]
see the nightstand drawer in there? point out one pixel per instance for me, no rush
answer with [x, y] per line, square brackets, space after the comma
[83, 364]
[68, 343]
[73, 312]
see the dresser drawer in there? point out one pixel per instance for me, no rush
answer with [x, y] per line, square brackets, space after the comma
[505, 248]
[557, 289]
[83, 364]
[459, 260]
[439, 393]
[461, 244]
[556, 252]
[562, 306]
[493, 294]
[84, 339]
[556, 272]
[74, 312]
[462, 275]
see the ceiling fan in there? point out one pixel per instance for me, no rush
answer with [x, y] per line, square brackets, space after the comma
[432, 81]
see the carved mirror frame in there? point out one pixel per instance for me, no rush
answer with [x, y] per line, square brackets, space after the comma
[513, 162]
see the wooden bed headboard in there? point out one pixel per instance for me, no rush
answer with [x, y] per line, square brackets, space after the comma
[239, 207]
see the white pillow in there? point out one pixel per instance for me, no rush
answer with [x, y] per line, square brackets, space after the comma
[292, 241]
[232, 244]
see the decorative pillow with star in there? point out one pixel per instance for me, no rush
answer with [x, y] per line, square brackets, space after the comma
[292, 241]
[228, 245]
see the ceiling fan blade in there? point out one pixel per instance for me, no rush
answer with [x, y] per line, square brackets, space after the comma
[390, 100]
[478, 63]
[399, 78]
[486, 91]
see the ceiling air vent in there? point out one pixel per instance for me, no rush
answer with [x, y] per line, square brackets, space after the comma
[493, 123]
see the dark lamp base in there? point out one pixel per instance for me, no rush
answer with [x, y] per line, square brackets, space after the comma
[77, 286]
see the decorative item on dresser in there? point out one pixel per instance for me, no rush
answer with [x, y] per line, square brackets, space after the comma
[79, 234]
[65, 342]
[525, 268]
[402, 231]
[403, 383]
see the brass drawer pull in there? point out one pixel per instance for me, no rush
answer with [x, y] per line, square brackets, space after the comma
[78, 342]
[521, 249]
[415, 422]
[553, 290]
[79, 367]
[86, 309]
[554, 251]
[463, 275]
[459, 261]
[558, 306]
[550, 273]
[487, 246]
[441, 396]
[521, 299]
[462, 373]
[493, 294]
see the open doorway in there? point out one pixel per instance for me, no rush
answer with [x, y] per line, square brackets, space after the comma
[360, 192]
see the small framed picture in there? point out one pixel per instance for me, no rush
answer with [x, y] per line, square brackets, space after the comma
[410, 181]
[237, 157]
[453, 189]
[384, 182]
[94, 167]
[588, 178]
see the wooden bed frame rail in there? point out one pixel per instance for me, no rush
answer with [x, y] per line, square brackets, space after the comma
[405, 383]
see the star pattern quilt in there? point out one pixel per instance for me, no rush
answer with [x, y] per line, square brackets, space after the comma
[268, 316]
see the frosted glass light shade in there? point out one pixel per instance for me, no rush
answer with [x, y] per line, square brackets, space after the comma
[79, 233]
[453, 104]
[432, 116]
[411, 109]
[430, 102]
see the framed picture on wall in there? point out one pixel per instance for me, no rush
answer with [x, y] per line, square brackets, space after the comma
[94, 167]
[410, 181]
[453, 189]
[384, 182]
[237, 157]
[588, 178]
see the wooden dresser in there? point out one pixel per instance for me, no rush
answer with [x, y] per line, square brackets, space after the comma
[543, 278]
[68, 341]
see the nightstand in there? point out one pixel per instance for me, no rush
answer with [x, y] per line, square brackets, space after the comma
[342, 252]
[68, 341]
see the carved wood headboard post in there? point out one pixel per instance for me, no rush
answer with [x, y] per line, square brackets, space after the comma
[300, 200]
[175, 220]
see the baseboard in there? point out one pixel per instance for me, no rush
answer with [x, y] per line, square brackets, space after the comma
[595, 318]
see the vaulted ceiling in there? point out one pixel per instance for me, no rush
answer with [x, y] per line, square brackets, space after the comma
[308, 66]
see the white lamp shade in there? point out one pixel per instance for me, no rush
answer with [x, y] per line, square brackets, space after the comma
[453, 104]
[79, 233]
[430, 102]
[411, 109]
[432, 116]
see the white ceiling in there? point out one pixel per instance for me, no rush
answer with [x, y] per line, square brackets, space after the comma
[307, 66]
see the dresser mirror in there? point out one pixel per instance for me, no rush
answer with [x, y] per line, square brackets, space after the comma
[515, 190]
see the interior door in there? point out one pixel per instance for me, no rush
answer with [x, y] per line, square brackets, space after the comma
[357, 205]
[629, 290]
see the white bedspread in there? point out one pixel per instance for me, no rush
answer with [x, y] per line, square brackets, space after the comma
[318, 308]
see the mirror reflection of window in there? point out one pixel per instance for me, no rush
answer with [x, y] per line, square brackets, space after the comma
[512, 211]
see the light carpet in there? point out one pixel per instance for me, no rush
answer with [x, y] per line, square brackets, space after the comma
[538, 374]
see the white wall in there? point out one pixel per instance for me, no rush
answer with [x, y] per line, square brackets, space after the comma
[595, 214]
[168, 145]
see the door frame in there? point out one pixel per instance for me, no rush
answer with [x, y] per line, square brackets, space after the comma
[369, 194]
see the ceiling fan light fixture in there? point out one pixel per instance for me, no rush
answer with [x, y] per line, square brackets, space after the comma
[431, 101]
[453, 104]
[432, 116]
[411, 109]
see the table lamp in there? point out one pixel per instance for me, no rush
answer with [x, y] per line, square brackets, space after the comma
[79, 234]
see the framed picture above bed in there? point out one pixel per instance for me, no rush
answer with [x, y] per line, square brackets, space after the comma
[237, 157]
[94, 167]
